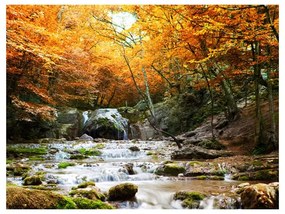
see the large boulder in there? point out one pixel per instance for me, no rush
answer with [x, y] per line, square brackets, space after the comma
[260, 196]
[70, 123]
[106, 123]
[122, 192]
[196, 152]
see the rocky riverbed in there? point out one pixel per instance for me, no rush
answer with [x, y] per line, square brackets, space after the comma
[148, 170]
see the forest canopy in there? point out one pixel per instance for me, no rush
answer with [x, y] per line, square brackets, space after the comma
[92, 56]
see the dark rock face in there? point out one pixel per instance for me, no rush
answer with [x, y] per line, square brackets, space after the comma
[106, 123]
[122, 192]
[196, 152]
[260, 196]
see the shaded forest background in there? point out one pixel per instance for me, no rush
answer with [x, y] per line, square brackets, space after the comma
[79, 56]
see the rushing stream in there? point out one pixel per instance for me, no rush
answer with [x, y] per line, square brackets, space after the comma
[109, 169]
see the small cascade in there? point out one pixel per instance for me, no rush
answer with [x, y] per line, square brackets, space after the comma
[220, 202]
[85, 116]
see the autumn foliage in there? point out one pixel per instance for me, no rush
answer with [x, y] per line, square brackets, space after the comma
[76, 55]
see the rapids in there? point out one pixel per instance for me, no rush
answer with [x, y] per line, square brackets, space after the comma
[108, 169]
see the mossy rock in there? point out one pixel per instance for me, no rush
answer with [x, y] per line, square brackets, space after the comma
[190, 200]
[77, 156]
[195, 163]
[86, 184]
[84, 203]
[170, 169]
[64, 165]
[122, 192]
[26, 151]
[18, 169]
[33, 180]
[262, 175]
[211, 144]
[21, 198]
[87, 193]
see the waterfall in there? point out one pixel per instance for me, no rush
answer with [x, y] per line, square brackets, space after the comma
[85, 117]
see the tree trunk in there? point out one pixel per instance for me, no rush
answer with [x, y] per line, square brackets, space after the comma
[259, 124]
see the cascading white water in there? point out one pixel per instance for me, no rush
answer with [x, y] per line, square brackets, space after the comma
[85, 116]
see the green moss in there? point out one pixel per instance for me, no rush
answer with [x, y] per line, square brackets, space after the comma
[84, 203]
[193, 163]
[211, 144]
[201, 177]
[36, 158]
[257, 163]
[190, 204]
[33, 180]
[99, 146]
[149, 153]
[171, 169]
[123, 191]
[266, 175]
[243, 178]
[64, 165]
[66, 203]
[87, 193]
[90, 152]
[189, 199]
[28, 151]
[86, 184]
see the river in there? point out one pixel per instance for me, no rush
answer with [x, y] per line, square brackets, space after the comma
[109, 169]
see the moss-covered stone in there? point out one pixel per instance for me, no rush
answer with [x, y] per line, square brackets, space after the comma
[190, 200]
[88, 193]
[33, 180]
[17, 169]
[84, 203]
[77, 156]
[170, 169]
[66, 203]
[64, 165]
[211, 144]
[262, 175]
[86, 184]
[122, 192]
[21, 198]
[12, 150]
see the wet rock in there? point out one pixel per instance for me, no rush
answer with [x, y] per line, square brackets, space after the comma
[86, 137]
[32, 180]
[211, 144]
[195, 152]
[53, 150]
[260, 196]
[17, 169]
[259, 175]
[106, 123]
[170, 169]
[122, 192]
[130, 168]
[134, 149]
[90, 193]
[190, 200]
